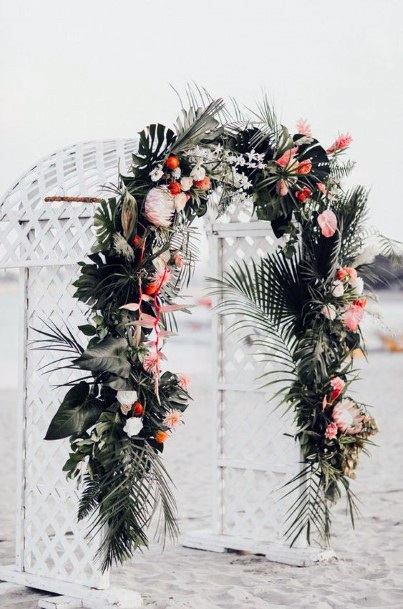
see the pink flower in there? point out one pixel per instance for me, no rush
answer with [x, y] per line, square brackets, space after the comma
[304, 128]
[352, 317]
[337, 385]
[159, 207]
[186, 183]
[329, 311]
[347, 272]
[322, 188]
[281, 188]
[328, 223]
[287, 157]
[151, 362]
[172, 419]
[177, 259]
[180, 201]
[204, 184]
[342, 142]
[331, 431]
[125, 408]
[347, 416]
[183, 381]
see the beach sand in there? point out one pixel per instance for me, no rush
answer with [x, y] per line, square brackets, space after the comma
[369, 568]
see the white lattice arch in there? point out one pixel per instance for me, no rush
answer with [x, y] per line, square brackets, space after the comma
[45, 241]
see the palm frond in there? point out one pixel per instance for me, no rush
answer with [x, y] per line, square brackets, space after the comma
[197, 124]
[122, 500]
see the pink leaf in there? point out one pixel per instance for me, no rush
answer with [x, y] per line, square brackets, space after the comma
[131, 306]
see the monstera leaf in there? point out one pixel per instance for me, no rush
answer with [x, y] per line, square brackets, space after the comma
[109, 355]
[78, 411]
[154, 141]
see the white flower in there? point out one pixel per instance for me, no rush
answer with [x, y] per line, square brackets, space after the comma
[358, 286]
[198, 173]
[176, 173]
[186, 183]
[133, 426]
[156, 173]
[126, 397]
[329, 311]
[180, 201]
[159, 207]
[338, 289]
[122, 248]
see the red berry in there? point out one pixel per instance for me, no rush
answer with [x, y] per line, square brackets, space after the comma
[174, 188]
[172, 162]
[138, 409]
[137, 241]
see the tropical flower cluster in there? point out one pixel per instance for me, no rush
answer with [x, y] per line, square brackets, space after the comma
[128, 405]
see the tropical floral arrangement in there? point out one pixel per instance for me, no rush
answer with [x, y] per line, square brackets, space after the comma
[303, 305]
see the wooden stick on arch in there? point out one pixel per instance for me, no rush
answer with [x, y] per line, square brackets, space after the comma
[74, 199]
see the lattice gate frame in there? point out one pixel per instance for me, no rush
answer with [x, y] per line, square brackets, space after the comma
[45, 242]
[253, 458]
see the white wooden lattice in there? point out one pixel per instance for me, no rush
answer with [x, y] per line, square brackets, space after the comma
[45, 241]
[251, 460]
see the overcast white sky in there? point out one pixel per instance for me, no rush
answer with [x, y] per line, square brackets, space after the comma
[79, 70]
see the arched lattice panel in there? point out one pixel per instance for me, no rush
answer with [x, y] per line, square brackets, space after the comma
[45, 241]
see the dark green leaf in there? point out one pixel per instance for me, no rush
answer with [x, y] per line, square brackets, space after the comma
[78, 412]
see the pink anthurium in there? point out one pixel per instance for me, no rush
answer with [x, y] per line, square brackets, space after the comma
[131, 306]
[145, 320]
[327, 221]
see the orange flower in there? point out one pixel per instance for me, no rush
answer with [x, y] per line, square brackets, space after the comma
[361, 302]
[138, 409]
[161, 436]
[172, 162]
[204, 184]
[346, 272]
[304, 167]
[174, 188]
[303, 195]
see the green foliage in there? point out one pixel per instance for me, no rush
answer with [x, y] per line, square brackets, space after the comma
[104, 222]
[196, 125]
[107, 355]
[153, 143]
[122, 495]
[78, 411]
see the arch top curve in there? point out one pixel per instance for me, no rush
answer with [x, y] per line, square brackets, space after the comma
[71, 171]
[33, 232]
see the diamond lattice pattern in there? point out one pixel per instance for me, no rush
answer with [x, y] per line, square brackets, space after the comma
[255, 457]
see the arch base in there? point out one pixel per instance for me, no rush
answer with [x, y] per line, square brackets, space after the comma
[275, 552]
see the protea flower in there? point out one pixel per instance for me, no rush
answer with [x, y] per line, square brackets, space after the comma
[172, 419]
[347, 417]
[159, 207]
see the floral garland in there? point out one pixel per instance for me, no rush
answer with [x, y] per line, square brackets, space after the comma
[306, 301]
